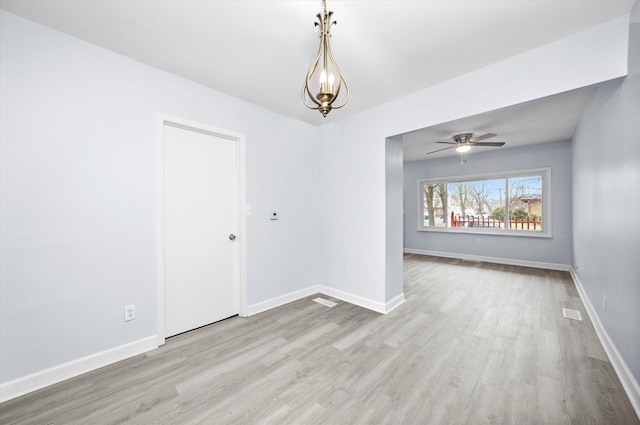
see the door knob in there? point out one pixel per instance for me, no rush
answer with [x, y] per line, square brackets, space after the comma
[232, 237]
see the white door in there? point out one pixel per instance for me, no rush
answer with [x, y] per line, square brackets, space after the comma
[200, 203]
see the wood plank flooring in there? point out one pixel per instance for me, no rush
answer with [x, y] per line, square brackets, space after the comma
[474, 343]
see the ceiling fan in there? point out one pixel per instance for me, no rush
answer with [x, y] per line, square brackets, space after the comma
[463, 142]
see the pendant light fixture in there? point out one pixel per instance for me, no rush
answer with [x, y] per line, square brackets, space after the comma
[326, 71]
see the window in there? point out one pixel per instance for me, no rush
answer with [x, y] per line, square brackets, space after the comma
[504, 203]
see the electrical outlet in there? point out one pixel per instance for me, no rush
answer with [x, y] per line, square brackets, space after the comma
[129, 312]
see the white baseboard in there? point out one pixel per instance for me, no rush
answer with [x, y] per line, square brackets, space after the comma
[330, 292]
[496, 260]
[629, 383]
[282, 300]
[38, 380]
[363, 302]
[354, 299]
[394, 303]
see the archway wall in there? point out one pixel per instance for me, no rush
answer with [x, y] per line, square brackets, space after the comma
[352, 153]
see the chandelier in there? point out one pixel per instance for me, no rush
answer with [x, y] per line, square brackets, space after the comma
[330, 80]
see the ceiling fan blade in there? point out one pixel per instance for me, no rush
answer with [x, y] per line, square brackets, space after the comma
[448, 143]
[488, 144]
[443, 149]
[484, 136]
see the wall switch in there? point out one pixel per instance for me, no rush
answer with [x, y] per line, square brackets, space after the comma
[477, 240]
[604, 302]
[129, 312]
[248, 209]
[274, 215]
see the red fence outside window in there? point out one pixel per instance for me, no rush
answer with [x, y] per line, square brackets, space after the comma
[523, 223]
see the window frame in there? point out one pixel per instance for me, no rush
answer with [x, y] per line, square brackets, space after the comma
[545, 232]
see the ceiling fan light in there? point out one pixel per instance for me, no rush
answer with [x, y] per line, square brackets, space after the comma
[463, 148]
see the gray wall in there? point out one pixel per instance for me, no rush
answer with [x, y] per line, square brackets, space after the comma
[556, 250]
[606, 199]
[393, 217]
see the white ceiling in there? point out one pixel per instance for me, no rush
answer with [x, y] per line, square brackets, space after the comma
[260, 50]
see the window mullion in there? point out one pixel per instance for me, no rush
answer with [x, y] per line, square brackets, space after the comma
[507, 222]
[445, 207]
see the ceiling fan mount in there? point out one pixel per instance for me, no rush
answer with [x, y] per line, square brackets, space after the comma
[463, 139]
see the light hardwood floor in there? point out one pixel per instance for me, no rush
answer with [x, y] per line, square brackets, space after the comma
[474, 343]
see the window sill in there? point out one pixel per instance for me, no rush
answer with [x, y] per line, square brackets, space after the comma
[493, 232]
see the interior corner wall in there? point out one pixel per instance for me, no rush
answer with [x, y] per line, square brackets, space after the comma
[606, 202]
[77, 188]
[556, 250]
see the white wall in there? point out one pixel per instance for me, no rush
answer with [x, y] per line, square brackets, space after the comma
[78, 195]
[352, 187]
[555, 250]
[606, 200]
[352, 150]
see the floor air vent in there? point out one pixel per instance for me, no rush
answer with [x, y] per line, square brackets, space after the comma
[324, 302]
[571, 314]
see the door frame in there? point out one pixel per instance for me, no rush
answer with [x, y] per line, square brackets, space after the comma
[241, 245]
